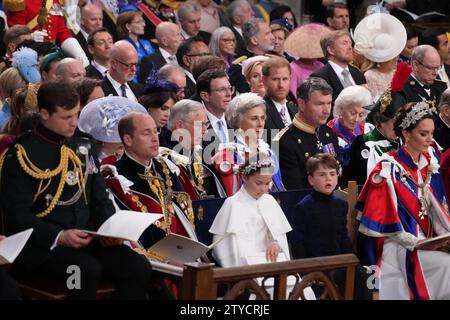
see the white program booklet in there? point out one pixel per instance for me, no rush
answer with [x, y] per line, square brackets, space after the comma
[174, 247]
[11, 246]
[126, 225]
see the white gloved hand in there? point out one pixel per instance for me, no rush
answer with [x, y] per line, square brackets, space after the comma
[39, 35]
[72, 48]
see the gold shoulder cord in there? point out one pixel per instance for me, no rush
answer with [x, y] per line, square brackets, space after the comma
[66, 155]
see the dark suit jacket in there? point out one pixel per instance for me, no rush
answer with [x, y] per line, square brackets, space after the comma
[447, 70]
[206, 36]
[83, 43]
[273, 118]
[108, 88]
[424, 6]
[91, 72]
[327, 73]
[241, 47]
[191, 88]
[147, 64]
[414, 92]
[441, 133]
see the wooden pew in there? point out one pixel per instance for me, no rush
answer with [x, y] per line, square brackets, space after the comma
[201, 281]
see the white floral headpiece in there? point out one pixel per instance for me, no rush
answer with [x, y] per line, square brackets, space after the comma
[265, 163]
[417, 112]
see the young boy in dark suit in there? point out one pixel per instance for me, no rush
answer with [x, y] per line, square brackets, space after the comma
[319, 221]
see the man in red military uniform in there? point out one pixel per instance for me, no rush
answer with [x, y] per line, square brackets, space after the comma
[46, 20]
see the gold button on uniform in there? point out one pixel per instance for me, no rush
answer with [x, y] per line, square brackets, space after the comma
[327, 134]
[306, 154]
[299, 140]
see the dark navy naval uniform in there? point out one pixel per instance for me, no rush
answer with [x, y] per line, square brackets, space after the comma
[30, 201]
[414, 91]
[297, 143]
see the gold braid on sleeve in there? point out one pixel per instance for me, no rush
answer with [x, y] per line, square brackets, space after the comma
[67, 155]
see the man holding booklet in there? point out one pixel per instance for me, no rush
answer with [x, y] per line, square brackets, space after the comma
[8, 287]
[50, 182]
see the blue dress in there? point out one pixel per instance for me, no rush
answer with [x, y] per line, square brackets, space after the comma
[5, 114]
[145, 49]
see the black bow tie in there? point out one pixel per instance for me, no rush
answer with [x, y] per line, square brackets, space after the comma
[426, 87]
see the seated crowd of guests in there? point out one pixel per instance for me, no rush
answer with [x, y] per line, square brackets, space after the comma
[227, 105]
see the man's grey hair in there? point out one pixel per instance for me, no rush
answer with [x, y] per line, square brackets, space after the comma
[167, 70]
[352, 95]
[182, 110]
[64, 65]
[235, 9]
[419, 52]
[251, 29]
[445, 99]
[239, 105]
[186, 8]
[305, 90]
[214, 42]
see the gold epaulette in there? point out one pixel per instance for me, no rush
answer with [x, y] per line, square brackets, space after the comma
[239, 60]
[280, 134]
[172, 4]
[14, 5]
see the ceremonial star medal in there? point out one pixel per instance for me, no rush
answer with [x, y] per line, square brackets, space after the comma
[83, 150]
[319, 145]
[71, 178]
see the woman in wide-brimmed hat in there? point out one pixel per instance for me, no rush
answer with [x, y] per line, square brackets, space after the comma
[304, 43]
[380, 38]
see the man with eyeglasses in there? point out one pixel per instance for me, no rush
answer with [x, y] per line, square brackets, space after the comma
[187, 52]
[100, 43]
[423, 84]
[437, 38]
[119, 78]
[215, 92]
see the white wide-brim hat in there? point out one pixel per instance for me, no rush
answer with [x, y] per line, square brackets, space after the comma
[100, 117]
[379, 37]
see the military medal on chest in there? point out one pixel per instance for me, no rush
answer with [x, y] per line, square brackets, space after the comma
[71, 178]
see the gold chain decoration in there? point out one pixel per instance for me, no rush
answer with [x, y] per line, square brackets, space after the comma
[33, 171]
[155, 187]
[184, 200]
[198, 177]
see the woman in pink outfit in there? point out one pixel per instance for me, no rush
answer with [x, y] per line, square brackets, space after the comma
[304, 43]
[302, 69]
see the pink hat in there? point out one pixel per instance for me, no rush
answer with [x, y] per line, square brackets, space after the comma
[304, 42]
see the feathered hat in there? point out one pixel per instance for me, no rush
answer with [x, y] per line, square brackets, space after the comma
[25, 60]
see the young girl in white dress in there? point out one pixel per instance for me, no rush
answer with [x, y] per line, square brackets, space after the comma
[253, 220]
